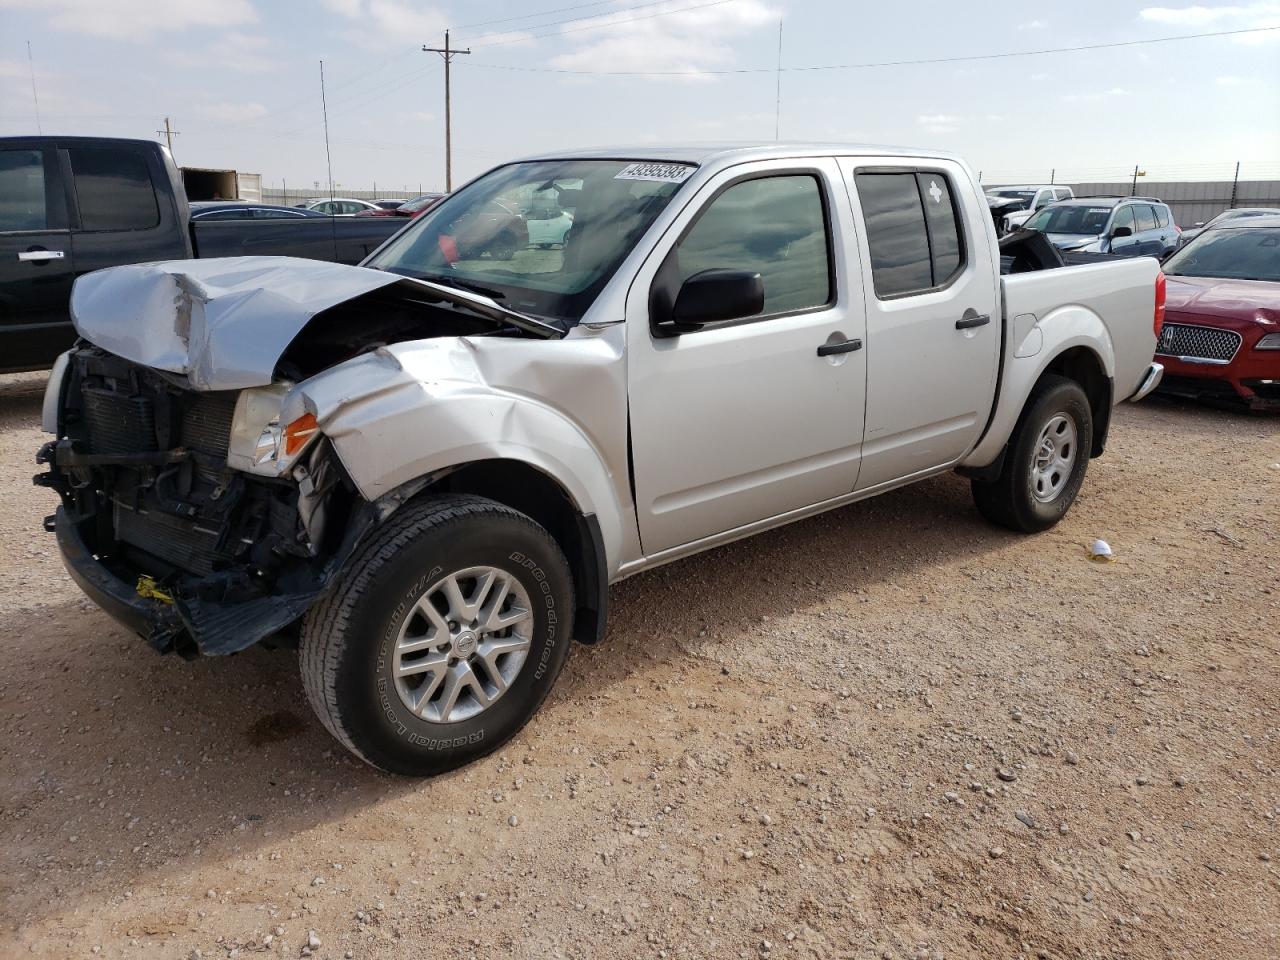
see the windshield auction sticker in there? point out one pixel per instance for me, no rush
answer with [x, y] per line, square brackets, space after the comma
[659, 172]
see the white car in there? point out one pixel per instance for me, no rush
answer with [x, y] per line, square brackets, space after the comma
[425, 471]
[339, 206]
[1014, 205]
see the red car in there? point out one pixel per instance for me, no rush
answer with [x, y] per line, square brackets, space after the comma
[1221, 337]
[410, 208]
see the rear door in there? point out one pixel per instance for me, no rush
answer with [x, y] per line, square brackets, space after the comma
[933, 322]
[119, 214]
[36, 259]
[746, 420]
[1148, 234]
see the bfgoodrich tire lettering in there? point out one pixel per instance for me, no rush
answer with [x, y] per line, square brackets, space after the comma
[348, 654]
[1030, 495]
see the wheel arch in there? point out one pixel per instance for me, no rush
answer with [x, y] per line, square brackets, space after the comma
[539, 496]
[1083, 365]
[1084, 355]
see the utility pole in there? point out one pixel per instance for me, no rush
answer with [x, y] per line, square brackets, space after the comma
[168, 133]
[447, 54]
[1235, 182]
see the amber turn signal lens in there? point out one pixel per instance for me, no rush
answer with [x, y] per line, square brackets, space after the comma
[298, 433]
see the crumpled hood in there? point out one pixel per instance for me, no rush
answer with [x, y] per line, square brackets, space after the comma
[1256, 300]
[224, 323]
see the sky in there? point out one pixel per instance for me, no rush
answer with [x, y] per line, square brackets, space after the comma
[240, 81]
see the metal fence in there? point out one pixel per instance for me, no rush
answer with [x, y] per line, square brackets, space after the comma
[1195, 201]
[290, 196]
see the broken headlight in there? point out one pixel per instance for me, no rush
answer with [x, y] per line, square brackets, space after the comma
[260, 443]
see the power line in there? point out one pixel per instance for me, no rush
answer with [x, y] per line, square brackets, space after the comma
[873, 64]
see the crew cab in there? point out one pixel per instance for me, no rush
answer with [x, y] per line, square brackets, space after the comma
[71, 205]
[426, 471]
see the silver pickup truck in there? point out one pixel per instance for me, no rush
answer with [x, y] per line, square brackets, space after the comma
[425, 471]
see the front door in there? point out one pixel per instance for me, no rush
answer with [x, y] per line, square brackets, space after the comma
[1124, 246]
[933, 315]
[746, 420]
[36, 268]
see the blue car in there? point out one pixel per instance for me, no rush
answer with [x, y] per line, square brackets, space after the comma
[1122, 226]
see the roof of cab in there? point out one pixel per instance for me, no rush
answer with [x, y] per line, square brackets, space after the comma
[725, 154]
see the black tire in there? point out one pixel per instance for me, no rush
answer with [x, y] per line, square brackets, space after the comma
[348, 639]
[503, 246]
[1010, 500]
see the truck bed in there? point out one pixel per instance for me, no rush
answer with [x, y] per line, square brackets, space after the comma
[338, 239]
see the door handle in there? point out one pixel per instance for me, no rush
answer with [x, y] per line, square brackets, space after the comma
[844, 346]
[30, 255]
[972, 319]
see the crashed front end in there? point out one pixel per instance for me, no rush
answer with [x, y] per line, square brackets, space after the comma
[161, 531]
[202, 505]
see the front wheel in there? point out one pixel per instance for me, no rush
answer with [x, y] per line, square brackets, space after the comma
[441, 638]
[1046, 461]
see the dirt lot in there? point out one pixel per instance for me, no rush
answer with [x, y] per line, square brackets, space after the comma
[886, 732]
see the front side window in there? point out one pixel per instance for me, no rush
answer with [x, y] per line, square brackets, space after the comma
[913, 232]
[484, 238]
[113, 189]
[22, 202]
[1124, 218]
[774, 226]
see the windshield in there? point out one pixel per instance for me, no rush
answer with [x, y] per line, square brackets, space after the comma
[542, 238]
[1082, 221]
[1240, 254]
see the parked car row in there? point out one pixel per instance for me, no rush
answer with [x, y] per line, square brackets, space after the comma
[1221, 340]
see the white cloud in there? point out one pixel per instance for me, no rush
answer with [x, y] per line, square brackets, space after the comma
[939, 122]
[1229, 81]
[690, 41]
[234, 112]
[1095, 96]
[139, 19]
[1033, 25]
[1251, 16]
[241, 52]
[393, 20]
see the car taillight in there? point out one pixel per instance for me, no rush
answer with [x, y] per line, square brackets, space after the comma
[1158, 321]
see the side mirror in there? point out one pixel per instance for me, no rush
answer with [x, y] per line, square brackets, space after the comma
[713, 296]
[1119, 232]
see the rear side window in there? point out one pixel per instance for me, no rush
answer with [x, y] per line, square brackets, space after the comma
[22, 202]
[1162, 216]
[113, 189]
[913, 232]
[1146, 217]
[773, 225]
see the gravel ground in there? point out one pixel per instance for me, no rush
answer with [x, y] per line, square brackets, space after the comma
[890, 731]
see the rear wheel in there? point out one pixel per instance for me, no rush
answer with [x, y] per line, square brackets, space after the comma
[441, 638]
[1046, 461]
